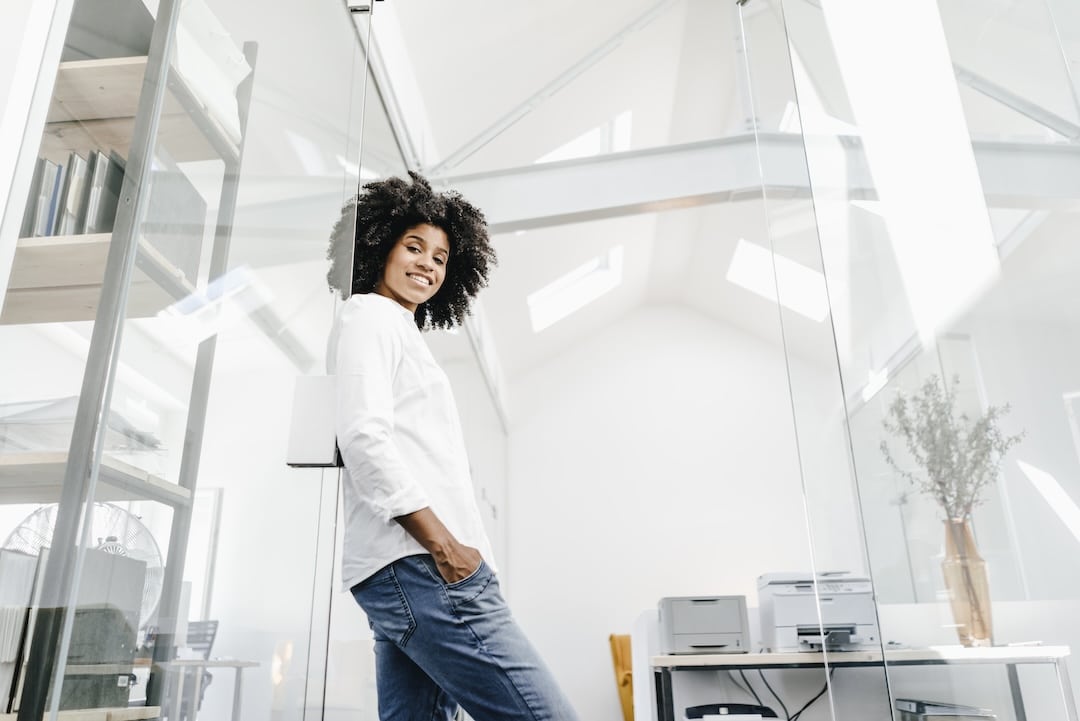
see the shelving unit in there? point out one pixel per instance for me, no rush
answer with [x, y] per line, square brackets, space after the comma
[146, 111]
[94, 104]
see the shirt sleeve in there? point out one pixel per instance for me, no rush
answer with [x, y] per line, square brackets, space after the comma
[369, 350]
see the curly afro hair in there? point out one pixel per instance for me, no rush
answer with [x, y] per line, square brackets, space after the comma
[371, 224]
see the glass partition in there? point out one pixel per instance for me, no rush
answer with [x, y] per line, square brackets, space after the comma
[839, 623]
[158, 321]
[939, 191]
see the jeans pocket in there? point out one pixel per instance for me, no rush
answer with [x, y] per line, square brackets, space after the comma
[466, 591]
[468, 579]
[387, 609]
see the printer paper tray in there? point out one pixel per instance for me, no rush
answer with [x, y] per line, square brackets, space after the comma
[709, 643]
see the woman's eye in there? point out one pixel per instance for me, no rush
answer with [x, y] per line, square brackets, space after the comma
[440, 261]
[413, 248]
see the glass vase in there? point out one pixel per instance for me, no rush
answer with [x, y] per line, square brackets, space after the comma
[967, 585]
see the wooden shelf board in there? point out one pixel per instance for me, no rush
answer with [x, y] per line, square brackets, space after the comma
[94, 106]
[57, 279]
[59, 261]
[39, 478]
[97, 89]
[177, 133]
[90, 714]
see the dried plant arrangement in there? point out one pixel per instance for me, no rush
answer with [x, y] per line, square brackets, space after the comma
[958, 456]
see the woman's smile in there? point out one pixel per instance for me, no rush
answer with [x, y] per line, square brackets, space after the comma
[416, 266]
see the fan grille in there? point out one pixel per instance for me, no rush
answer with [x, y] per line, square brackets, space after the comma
[113, 530]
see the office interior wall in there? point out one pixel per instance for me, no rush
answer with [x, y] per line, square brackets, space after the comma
[655, 459]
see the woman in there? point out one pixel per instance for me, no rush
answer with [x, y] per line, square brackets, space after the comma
[416, 557]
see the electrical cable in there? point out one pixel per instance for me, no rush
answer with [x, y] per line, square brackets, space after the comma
[808, 704]
[738, 685]
[778, 699]
[749, 686]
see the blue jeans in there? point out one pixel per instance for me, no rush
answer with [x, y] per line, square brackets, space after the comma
[438, 645]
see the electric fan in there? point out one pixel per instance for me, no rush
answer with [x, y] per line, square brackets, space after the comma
[113, 530]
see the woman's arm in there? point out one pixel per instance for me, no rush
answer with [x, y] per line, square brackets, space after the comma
[369, 351]
[455, 560]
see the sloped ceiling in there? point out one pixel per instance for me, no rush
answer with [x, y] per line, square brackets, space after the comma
[506, 83]
[672, 66]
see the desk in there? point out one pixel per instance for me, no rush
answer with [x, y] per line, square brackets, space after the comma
[1008, 656]
[203, 663]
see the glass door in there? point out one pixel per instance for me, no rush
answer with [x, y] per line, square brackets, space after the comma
[920, 159]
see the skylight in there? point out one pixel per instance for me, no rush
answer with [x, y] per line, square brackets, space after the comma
[576, 289]
[802, 288]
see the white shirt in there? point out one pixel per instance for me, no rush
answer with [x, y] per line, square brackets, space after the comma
[400, 438]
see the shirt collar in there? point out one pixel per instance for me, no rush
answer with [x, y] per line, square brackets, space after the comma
[402, 309]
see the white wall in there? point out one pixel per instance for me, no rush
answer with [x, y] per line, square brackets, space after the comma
[1031, 365]
[655, 460]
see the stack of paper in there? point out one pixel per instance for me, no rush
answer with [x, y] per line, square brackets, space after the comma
[916, 710]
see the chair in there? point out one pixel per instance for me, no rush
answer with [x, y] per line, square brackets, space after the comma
[200, 636]
[624, 676]
[200, 639]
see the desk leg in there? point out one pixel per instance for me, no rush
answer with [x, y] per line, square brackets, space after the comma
[1017, 695]
[236, 695]
[1066, 688]
[665, 704]
[175, 715]
[193, 708]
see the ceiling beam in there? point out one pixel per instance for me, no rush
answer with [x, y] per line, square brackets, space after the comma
[555, 85]
[1019, 175]
[1062, 126]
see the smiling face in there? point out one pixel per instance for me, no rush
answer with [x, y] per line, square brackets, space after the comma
[415, 267]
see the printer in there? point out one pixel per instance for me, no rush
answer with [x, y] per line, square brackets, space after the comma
[788, 609]
[704, 624]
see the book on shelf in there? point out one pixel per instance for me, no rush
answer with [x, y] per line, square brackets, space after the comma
[71, 205]
[54, 199]
[919, 710]
[29, 222]
[103, 192]
[43, 198]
